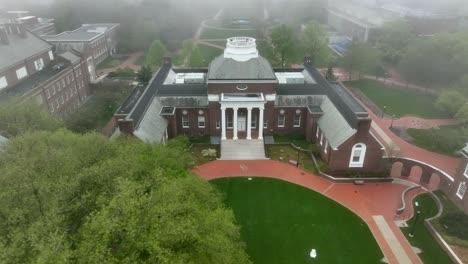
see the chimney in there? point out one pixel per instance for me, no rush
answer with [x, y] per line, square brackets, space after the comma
[4, 37]
[167, 60]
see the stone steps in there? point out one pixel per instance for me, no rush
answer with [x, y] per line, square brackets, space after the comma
[242, 149]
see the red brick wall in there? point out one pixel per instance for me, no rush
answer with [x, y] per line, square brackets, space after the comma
[193, 128]
[451, 190]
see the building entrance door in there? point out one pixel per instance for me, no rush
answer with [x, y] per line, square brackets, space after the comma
[241, 124]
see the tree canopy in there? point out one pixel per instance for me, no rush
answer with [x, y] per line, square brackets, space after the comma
[70, 198]
[393, 41]
[156, 53]
[360, 58]
[314, 42]
[144, 74]
[282, 45]
[18, 117]
[196, 58]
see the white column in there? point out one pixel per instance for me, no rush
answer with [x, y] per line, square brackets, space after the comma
[249, 123]
[234, 123]
[260, 123]
[223, 123]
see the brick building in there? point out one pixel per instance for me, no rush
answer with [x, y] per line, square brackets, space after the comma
[30, 69]
[95, 41]
[457, 190]
[38, 26]
[241, 97]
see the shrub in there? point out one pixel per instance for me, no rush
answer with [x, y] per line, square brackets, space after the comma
[456, 224]
[125, 73]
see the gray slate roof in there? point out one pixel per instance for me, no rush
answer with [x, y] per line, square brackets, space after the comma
[70, 56]
[86, 32]
[184, 101]
[21, 48]
[334, 126]
[228, 69]
[152, 126]
[298, 100]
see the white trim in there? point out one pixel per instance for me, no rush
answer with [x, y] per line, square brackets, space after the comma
[326, 147]
[426, 164]
[21, 73]
[465, 173]
[185, 121]
[3, 82]
[270, 97]
[51, 55]
[201, 119]
[213, 98]
[359, 148]
[283, 120]
[321, 139]
[294, 120]
[461, 190]
[378, 141]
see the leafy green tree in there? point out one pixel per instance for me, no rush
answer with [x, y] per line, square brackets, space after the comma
[156, 53]
[67, 197]
[144, 74]
[282, 45]
[329, 75]
[360, 58]
[393, 41]
[196, 58]
[18, 117]
[462, 114]
[315, 43]
[451, 101]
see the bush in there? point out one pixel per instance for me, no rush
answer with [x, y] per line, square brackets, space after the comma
[125, 73]
[199, 139]
[456, 224]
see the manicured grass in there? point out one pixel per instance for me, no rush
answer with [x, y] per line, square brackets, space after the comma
[209, 33]
[209, 53]
[399, 102]
[432, 253]
[297, 139]
[447, 140]
[111, 62]
[285, 152]
[282, 222]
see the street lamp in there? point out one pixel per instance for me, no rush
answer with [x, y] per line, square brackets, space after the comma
[383, 112]
[393, 118]
[411, 234]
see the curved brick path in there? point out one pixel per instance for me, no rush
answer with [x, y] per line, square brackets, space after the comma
[129, 63]
[365, 200]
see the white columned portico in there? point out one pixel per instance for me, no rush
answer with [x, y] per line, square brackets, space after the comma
[249, 122]
[260, 123]
[223, 123]
[234, 123]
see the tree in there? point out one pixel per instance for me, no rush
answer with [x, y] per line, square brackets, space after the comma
[144, 74]
[315, 43]
[360, 58]
[462, 114]
[156, 53]
[451, 101]
[18, 117]
[196, 58]
[67, 197]
[393, 41]
[282, 44]
[330, 76]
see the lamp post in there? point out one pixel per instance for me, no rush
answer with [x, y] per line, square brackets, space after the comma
[411, 234]
[393, 118]
[383, 112]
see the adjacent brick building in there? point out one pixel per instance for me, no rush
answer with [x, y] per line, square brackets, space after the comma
[30, 69]
[241, 97]
[95, 42]
[457, 190]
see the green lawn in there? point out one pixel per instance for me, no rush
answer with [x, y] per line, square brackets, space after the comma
[432, 253]
[209, 53]
[447, 140]
[281, 222]
[399, 102]
[209, 33]
[449, 208]
[111, 62]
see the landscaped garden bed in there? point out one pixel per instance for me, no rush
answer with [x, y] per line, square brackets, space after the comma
[203, 153]
[432, 252]
[286, 153]
[447, 140]
[111, 62]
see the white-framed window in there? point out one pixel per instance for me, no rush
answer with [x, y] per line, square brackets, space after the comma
[281, 120]
[39, 64]
[297, 120]
[265, 124]
[21, 73]
[3, 82]
[358, 153]
[325, 148]
[201, 121]
[461, 190]
[253, 124]
[185, 121]
[466, 171]
[51, 55]
[218, 124]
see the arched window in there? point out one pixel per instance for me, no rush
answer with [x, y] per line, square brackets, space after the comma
[358, 153]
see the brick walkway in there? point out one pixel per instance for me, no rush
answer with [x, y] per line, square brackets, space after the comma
[129, 63]
[420, 123]
[367, 200]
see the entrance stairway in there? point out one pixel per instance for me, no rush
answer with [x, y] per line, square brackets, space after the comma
[242, 149]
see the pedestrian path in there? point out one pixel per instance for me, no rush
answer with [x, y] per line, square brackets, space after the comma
[391, 239]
